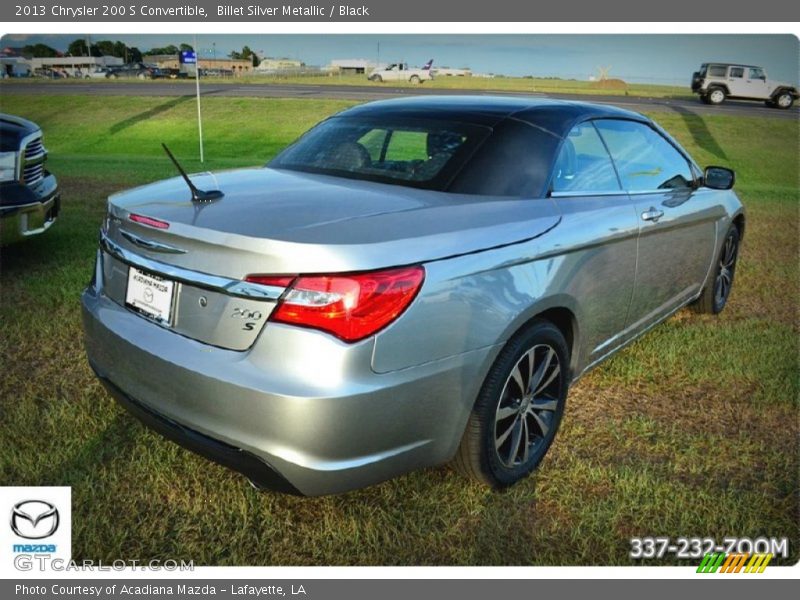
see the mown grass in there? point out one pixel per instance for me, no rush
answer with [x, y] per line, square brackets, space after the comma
[534, 85]
[691, 431]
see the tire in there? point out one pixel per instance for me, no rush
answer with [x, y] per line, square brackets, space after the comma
[716, 95]
[783, 100]
[377, 79]
[142, 76]
[715, 295]
[506, 437]
[415, 79]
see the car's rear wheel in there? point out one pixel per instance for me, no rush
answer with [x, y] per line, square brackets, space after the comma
[376, 78]
[519, 408]
[717, 291]
[716, 96]
[783, 100]
[414, 79]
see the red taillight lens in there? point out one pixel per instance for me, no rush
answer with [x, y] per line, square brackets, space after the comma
[351, 307]
[274, 280]
[157, 223]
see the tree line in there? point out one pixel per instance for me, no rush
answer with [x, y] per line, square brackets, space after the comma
[83, 47]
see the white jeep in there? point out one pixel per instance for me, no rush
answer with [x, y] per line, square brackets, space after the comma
[715, 82]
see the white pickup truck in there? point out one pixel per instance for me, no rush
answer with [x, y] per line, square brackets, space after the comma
[401, 72]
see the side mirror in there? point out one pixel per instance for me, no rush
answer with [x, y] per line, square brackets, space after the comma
[719, 178]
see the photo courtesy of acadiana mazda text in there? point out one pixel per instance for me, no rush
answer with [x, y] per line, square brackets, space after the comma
[413, 282]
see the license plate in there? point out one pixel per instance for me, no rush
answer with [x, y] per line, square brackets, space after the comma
[150, 295]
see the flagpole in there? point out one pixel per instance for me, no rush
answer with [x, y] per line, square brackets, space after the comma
[197, 90]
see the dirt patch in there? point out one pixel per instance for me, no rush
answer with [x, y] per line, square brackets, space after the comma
[609, 84]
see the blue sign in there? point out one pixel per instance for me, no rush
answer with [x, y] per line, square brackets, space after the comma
[188, 57]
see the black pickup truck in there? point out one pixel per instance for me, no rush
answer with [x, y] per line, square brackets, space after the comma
[29, 194]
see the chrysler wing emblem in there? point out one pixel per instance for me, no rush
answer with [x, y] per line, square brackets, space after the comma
[34, 519]
[150, 244]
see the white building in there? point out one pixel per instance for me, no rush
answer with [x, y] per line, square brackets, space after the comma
[72, 65]
[449, 72]
[352, 66]
[13, 66]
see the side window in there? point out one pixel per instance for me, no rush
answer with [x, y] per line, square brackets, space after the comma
[737, 72]
[716, 71]
[645, 160]
[583, 164]
[757, 74]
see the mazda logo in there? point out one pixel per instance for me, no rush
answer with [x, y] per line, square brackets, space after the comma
[34, 519]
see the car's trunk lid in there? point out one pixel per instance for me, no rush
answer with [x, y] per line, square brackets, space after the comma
[272, 221]
[281, 222]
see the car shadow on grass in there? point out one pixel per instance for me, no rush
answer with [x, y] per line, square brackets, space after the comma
[700, 132]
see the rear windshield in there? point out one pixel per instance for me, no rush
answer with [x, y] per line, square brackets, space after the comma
[413, 152]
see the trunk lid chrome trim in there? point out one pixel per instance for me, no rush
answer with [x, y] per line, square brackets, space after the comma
[231, 287]
[150, 244]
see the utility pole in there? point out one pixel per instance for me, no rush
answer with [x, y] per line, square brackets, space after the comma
[197, 89]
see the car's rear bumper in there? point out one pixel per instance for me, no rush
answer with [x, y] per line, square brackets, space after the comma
[300, 411]
[28, 211]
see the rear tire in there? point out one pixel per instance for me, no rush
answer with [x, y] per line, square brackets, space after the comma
[716, 96]
[415, 79]
[717, 291]
[783, 100]
[510, 428]
[376, 78]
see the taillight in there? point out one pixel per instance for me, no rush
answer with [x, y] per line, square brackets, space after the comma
[157, 223]
[274, 280]
[351, 307]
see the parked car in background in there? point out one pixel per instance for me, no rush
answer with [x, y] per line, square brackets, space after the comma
[138, 70]
[97, 73]
[412, 282]
[29, 194]
[401, 72]
[216, 72]
[715, 82]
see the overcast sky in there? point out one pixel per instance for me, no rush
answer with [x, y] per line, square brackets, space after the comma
[636, 58]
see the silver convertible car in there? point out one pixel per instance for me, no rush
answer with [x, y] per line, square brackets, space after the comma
[413, 282]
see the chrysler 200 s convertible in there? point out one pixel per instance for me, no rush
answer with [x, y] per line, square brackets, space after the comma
[413, 282]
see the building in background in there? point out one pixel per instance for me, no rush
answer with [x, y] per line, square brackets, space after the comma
[234, 67]
[72, 66]
[269, 64]
[12, 63]
[449, 72]
[351, 66]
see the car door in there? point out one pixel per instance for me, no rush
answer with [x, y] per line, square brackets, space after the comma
[757, 82]
[737, 85]
[677, 220]
[600, 227]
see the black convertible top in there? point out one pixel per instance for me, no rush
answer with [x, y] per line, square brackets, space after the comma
[555, 116]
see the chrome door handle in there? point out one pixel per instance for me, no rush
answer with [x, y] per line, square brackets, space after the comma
[652, 215]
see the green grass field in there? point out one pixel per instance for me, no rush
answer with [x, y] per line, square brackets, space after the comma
[691, 431]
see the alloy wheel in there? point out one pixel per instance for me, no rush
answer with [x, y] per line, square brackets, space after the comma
[727, 265]
[526, 413]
